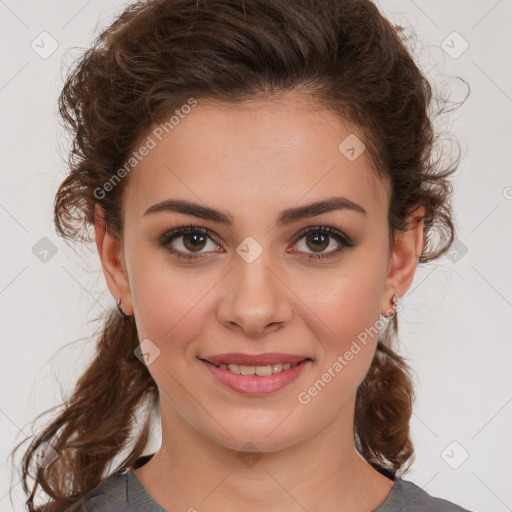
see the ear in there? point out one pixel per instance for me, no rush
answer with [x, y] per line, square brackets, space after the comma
[405, 255]
[112, 260]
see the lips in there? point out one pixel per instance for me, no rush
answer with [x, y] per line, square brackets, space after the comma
[255, 379]
[265, 359]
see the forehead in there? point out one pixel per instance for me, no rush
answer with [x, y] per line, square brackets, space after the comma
[260, 156]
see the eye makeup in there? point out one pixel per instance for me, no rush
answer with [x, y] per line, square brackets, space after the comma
[198, 235]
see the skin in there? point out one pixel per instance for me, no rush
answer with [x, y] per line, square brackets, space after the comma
[254, 161]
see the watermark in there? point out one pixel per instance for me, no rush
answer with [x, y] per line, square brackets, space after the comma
[147, 352]
[457, 250]
[351, 147]
[44, 250]
[249, 249]
[454, 45]
[304, 397]
[46, 455]
[150, 143]
[249, 455]
[44, 45]
[455, 455]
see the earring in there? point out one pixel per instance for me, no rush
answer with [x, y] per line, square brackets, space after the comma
[393, 301]
[121, 310]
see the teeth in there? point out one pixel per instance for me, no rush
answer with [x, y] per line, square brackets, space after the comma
[262, 371]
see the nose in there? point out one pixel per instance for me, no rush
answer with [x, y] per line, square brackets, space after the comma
[255, 299]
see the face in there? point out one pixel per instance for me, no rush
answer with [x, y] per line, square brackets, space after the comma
[252, 280]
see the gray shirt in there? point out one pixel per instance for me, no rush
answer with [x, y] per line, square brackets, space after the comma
[123, 492]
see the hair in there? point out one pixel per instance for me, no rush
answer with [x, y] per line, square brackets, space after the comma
[155, 56]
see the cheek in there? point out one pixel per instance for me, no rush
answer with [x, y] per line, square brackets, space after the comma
[343, 311]
[346, 325]
[169, 302]
[346, 303]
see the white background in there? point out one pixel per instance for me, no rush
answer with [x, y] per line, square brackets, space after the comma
[455, 328]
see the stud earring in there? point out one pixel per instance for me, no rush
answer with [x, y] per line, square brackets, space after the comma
[393, 301]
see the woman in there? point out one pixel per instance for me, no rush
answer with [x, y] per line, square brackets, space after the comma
[260, 180]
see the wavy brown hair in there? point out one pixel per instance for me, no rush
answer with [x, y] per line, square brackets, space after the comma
[345, 56]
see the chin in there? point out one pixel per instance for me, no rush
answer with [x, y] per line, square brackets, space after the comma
[262, 438]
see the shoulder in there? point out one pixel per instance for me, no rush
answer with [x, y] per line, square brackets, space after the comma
[415, 499]
[111, 495]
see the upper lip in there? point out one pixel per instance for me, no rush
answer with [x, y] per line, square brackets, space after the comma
[254, 359]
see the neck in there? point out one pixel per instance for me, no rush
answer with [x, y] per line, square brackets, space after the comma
[321, 473]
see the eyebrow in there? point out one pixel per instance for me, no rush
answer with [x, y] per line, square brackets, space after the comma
[285, 217]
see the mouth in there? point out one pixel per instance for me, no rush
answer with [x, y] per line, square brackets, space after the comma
[262, 374]
[262, 371]
[262, 365]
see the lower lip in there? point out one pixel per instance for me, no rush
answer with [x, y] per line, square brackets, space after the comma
[254, 384]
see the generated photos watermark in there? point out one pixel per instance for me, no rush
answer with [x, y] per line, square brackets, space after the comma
[150, 143]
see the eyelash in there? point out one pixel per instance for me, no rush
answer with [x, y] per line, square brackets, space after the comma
[340, 237]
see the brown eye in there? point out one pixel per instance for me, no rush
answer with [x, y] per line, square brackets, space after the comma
[188, 242]
[194, 241]
[318, 239]
[184, 242]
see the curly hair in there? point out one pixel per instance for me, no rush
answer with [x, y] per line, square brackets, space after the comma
[157, 54]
